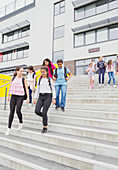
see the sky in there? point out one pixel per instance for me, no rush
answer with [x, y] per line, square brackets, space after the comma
[5, 2]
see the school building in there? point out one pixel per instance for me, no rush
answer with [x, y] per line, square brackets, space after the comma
[74, 30]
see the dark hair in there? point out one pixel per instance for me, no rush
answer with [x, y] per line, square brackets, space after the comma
[60, 61]
[90, 64]
[109, 63]
[17, 69]
[31, 68]
[50, 66]
[46, 69]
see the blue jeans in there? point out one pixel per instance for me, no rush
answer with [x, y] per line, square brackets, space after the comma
[101, 71]
[63, 89]
[30, 95]
[111, 74]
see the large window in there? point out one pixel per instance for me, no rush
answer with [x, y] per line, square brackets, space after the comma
[15, 54]
[96, 36]
[95, 8]
[58, 55]
[102, 34]
[90, 37]
[22, 32]
[59, 32]
[113, 32]
[59, 8]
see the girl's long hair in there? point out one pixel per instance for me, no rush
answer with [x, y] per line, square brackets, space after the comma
[17, 69]
[46, 69]
[50, 66]
[109, 63]
[31, 68]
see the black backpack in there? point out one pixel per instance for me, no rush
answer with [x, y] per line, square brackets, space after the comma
[65, 73]
[23, 81]
[48, 81]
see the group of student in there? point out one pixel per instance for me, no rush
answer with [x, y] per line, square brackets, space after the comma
[102, 67]
[51, 82]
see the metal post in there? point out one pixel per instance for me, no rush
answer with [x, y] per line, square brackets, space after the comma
[5, 99]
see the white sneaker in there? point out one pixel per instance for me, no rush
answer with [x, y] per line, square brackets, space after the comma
[102, 85]
[114, 85]
[20, 126]
[99, 85]
[108, 85]
[8, 132]
[30, 104]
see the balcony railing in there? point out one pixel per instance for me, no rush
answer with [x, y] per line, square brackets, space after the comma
[14, 6]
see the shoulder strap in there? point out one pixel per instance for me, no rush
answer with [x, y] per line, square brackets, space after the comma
[49, 80]
[56, 73]
[40, 80]
[33, 75]
[13, 78]
[65, 72]
[23, 81]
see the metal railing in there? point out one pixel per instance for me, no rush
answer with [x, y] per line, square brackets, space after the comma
[5, 102]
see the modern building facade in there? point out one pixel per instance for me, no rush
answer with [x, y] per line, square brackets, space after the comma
[76, 31]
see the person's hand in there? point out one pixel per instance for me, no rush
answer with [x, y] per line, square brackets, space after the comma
[97, 68]
[35, 100]
[8, 99]
[28, 100]
[54, 78]
[53, 101]
[66, 79]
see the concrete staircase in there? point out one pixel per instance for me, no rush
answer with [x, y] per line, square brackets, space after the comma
[84, 137]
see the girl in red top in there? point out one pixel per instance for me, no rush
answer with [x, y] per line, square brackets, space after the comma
[51, 67]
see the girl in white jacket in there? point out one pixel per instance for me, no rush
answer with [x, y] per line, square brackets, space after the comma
[111, 71]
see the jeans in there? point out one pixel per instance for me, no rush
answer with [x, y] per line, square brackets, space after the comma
[101, 71]
[15, 102]
[44, 101]
[30, 95]
[63, 89]
[111, 74]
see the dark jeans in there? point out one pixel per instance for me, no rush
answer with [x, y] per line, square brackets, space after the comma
[111, 74]
[101, 71]
[30, 95]
[44, 102]
[15, 102]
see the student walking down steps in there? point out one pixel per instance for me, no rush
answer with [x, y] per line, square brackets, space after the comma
[19, 93]
[45, 93]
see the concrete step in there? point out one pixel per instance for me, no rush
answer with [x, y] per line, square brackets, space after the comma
[97, 133]
[74, 158]
[82, 121]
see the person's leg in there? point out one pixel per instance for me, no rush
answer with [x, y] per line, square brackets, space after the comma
[12, 110]
[99, 73]
[109, 73]
[57, 89]
[47, 103]
[19, 104]
[112, 74]
[30, 95]
[39, 105]
[63, 95]
[103, 74]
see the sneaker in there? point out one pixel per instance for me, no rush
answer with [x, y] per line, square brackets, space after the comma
[99, 85]
[90, 88]
[62, 109]
[57, 107]
[8, 132]
[108, 85]
[102, 85]
[30, 104]
[44, 130]
[20, 126]
[114, 85]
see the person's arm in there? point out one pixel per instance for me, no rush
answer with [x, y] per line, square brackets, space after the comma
[70, 75]
[53, 92]
[87, 70]
[104, 64]
[98, 65]
[37, 93]
[8, 99]
[27, 92]
[54, 78]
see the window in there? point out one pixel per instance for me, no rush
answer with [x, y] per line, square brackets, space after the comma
[9, 56]
[29, 2]
[59, 8]
[10, 36]
[102, 34]
[14, 54]
[79, 40]
[113, 32]
[2, 12]
[19, 4]
[15, 35]
[113, 4]
[90, 37]
[79, 13]
[5, 38]
[20, 53]
[101, 6]
[58, 55]
[90, 10]
[26, 52]
[5, 57]
[10, 8]
[59, 32]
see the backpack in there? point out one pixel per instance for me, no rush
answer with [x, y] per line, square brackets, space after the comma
[48, 81]
[65, 73]
[23, 81]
